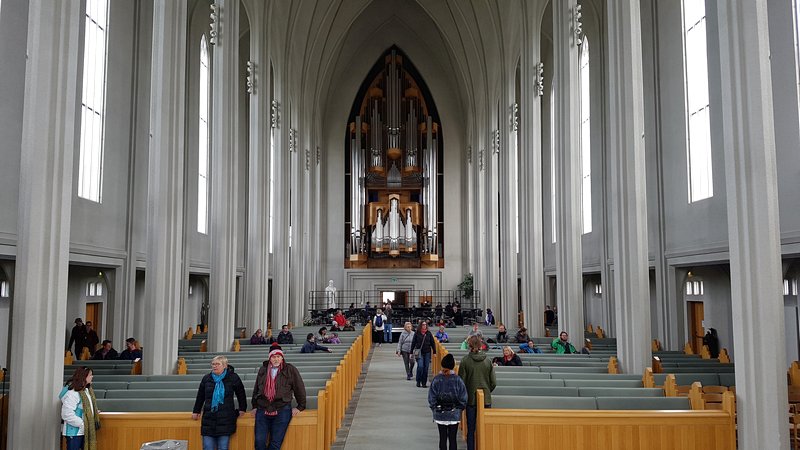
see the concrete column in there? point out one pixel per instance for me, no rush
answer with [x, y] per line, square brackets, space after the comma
[753, 225]
[280, 220]
[297, 261]
[569, 226]
[628, 188]
[508, 167]
[530, 184]
[45, 203]
[257, 275]
[224, 179]
[164, 282]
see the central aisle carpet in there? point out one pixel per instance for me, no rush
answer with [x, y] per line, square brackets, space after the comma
[392, 413]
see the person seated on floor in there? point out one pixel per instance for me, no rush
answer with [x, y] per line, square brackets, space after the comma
[285, 336]
[328, 338]
[106, 351]
[348, 326]
[509, 358]
[522, 335]
[562, 345]
[132, 352]
[529, 347]
[258, 338]
[339, 319]
[502, 334]
[441, 335]
[311, 345]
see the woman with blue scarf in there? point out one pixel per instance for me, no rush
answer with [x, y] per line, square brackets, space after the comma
[215, 399]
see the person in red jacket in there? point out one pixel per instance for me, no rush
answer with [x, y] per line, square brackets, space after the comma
[339, 318]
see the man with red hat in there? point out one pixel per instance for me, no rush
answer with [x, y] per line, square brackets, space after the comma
[276, 382]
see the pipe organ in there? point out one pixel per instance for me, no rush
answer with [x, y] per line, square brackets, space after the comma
[393, 173]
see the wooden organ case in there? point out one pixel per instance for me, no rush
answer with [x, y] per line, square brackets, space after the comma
[393, 174]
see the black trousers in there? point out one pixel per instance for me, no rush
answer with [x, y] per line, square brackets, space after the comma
[447, 433]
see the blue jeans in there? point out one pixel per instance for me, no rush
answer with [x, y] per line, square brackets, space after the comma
[274, 426]
[74, 442]
[472, 415]
[423, 366]
[216, 442]
[387, 332]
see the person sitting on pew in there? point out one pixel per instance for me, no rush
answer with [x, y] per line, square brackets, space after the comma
[285, 336]
[441, 335]
[475, 331]
[522, 335]
[106, 351]
[348, 326]
[339, 319]
[502, 334]
[529, 347]
[311, 345]
[489, 317]
[509, 358]
[327, 338]
[132, 352]
[587, 347]
[562, 345]
[258, 338]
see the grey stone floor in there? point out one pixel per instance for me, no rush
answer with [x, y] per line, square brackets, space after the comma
[390, 412]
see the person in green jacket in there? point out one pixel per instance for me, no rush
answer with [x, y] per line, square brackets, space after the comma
[478, 373]
[562, 345]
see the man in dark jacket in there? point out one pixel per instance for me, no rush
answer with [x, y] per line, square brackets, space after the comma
[131, 352]
[92, 339]
[285, 336]
[215, 400]
[478, 373]
[311, 345]
[78, 336]
[276, 382]
[106, 351]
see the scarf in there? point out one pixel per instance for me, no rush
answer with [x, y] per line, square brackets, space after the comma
[219, 390]
[269, 387]
[90, 421]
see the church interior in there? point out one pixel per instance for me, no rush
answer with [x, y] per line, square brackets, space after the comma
[186, 172]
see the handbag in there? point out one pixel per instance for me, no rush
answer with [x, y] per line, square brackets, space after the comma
[416, 351]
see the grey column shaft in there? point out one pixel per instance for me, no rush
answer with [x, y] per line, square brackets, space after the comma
[45, 204]
[569, 273]
[224, 179]
[753, 225]
[530, 184]
[508, 167]
[280, 221]
[164, 286]
[628, 192]
[258, 227]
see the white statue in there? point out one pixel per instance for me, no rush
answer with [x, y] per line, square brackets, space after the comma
[330, 295]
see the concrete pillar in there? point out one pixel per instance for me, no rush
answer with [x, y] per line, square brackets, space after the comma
[164, 282]
[530, 184]
[280, 220]
[224, 179]
[508, 187]
[628, 189]
[257, 275]
[569, 226]
[753, 225]
[45, 203]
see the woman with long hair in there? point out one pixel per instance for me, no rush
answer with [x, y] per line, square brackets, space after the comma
[423, 346]
[79, 411]
[215, 400]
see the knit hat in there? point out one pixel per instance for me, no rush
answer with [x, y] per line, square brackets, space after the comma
[277, 351]
[448, 362]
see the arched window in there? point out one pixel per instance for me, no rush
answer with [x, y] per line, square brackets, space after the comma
[93, 100]
[586, 139]
[698, 116]
[203, 139]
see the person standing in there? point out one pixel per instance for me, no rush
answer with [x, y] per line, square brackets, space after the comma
[478, 373]
[404, 349]
[447, 397]
[78, 336]
[562, 345]
[215, 401]
[277, 381]
[92, 339]
[79, 411]
[423, 341]
[387, 324]
[378, 323]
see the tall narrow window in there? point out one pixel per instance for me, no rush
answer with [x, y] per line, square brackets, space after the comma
[701, 185]
[586, 140]
[203, 140]
[553, 207]
[93, 100]
[5, 290]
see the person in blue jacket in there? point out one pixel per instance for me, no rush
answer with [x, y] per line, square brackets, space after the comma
[447, 398]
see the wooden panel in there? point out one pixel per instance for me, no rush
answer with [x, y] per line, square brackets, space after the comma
[128, 431]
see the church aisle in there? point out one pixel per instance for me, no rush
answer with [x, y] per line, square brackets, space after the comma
[392, 412]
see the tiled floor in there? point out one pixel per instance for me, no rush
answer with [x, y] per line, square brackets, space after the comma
[389, 412]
